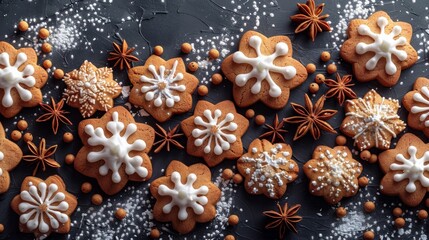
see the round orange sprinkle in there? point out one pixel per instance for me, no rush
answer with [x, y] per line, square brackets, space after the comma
[311, 68]
[341, 212]
[227, 174]
[233, 220]
[229, 237]
[58, 74]
[373, 158]
[368, 235]
[1, 228]
[313, 88]
[213, 53]
[217, 79]
[28, 137]
[320, 78]
[331, 68]
[47, 64]
[120, 213]
[23, 26]
[237, 179]
[158, 50]
[22, 125]
[363, 181]
[16, 135]
[365, 155]
[44, 33]
[202, 90]
[97, 199]
[399, 222]
[68, 137]
[325, 56]
[397, 212]
[46, 48]
[186, 48]
[86, 187]
[340, 140]
[193, 66]
[154, 233]
[423, 214]
[250, 113]
[69, 159]
[369, 207]
[260, 119]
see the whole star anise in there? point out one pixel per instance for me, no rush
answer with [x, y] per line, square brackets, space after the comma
[122, 56]
[54, 112]
[311, 118]
[340, 88]
[275, 130]
[167, 138]
[285, 217]
[41, 155]
[310, 18]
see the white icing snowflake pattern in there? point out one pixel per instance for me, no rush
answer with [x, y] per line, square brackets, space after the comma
[40, 203]
[163, 86]
[11, 77]
[184, 196]
[413, 169]
[384, 45]
[214, 128]
[422, 98]
[116, 149]
[262, 66]
[1, 159]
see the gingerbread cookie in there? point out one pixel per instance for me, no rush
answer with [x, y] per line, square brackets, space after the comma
[263, 69]
[267, 168]
[185, 196]
[214, 132]
[379, 48]
[162, 88]
[10, 156]
[44, 206]
[20, 79]
[333, 173]
[407, 170]
[91, 89]
[115, 150]
[372, 121]
[417, 104]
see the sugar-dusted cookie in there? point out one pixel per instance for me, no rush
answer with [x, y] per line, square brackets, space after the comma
[44, 206]
[20, 79]
[372, 121]
[267, 168]
[379, 48]
[407, 170]
[263, 69]
[90, 89]
[417, 104]
[333, 173]
[185, 196]
[214, 132]
[115, 150]
[10, 156]
[162, 88]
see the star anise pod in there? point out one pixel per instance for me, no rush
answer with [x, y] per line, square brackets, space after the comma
[310, 18]
[167, 138]
[122, 55]
[275, 130]
[54, 112]
[41, 155]
[311, 118]
[285, 217]
[340, 88]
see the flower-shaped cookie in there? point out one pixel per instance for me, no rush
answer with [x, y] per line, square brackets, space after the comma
[91, 89]
[333, 173]
[20, 79]
[214, 132]
[263, 69]
[417, 104]
[185, 196]
[115, 150]
[407, 170]
[379, 48]
[267, 168]
[10, 156]
[44, 206]
[162, 88]
[372, 121]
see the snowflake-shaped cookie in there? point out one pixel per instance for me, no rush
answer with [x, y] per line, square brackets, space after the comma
[214, 132]
[417, 104]
[20, 79]
[44, 206]
[263, 69]
[407, 169]
[267, 168]
[10, 156]
[184, 196]
[372, 121]
[379, 48]
[333, 173]
[115, 149]
[91, 89]
[162, 88]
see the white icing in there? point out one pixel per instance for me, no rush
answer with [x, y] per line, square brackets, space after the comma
[40, 202]
[163, 86]
[12, 77]
[1, 158]
[413, 169]
[262, 66]
[184, 195]
[384, 45]
[116, 149]
[214, 128]
[422, 98]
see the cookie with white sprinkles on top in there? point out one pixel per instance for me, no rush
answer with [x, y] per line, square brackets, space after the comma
[10, 156]
[417, 104]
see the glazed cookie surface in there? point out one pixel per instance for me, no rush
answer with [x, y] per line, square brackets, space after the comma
[20, 79]
[379, 48]
[115, 150]
[263, 70]
[10, 156]
[417, 104]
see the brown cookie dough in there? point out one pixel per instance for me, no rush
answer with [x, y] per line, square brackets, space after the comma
[417, 104]
[10, 156]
